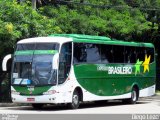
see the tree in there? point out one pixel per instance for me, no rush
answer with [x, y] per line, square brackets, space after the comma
[34, 4]
[131, 20]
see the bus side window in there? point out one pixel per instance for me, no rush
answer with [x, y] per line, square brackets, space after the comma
[130, 54]
[79, 54]
[150, 51]
[106, 54]
[93, 53]
[64, 62]
[118, 54]
[140, 51]
[127, 55]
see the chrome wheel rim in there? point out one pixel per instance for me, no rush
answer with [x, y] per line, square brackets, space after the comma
[134, 96]
[75, 99]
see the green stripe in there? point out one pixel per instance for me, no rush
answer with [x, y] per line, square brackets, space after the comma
[37, 90]
[37, 52]
[45, 52]
[27, 52]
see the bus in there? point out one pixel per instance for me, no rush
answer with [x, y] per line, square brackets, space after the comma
[73, 68]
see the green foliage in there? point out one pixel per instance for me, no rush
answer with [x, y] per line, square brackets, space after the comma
[119, 19]
[87, 20]
[20, 21]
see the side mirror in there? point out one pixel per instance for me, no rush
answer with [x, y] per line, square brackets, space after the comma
[4, 62]
[55, 61]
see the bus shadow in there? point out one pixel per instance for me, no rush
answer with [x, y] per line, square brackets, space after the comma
[82, 106]
[108, 104]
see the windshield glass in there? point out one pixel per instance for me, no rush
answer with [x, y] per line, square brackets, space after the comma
[33, 65]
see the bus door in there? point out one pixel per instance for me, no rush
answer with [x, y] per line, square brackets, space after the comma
[64, 62]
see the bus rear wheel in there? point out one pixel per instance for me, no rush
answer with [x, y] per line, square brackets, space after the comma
[134, 97]
[75, 100]
[37, 106]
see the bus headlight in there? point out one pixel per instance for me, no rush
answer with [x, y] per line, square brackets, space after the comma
[49, 92]
[15, 92]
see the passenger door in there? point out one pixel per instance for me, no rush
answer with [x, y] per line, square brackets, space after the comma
[64, 62]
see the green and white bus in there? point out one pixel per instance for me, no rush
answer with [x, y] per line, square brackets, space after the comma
[73, 68]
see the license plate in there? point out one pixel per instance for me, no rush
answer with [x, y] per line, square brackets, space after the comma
[30, 99]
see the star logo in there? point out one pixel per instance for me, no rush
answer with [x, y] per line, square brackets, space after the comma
[146, 63]
[137, 66]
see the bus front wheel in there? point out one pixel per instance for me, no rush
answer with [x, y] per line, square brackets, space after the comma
[75, 100]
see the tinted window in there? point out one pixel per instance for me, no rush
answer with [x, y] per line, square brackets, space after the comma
[25, 47]
[86, 52]
[64, 62]
[93, 53]
[38, 46]
[130, 54]
[150, 51]
[101, 53]
[107, 54]
[140, 53]
[46, 46]
[118, 53]
[98, 53]
[79, 52]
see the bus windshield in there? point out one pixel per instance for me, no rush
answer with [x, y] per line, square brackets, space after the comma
[32, 64]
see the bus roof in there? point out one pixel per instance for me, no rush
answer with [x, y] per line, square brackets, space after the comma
[57, 39]
[101, 40]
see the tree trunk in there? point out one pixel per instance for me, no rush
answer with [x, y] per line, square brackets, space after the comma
[34, 4]
[158, 27]
[2, 75]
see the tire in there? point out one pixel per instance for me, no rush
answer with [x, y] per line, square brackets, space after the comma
[37, 106]
[75, 100]
[134, 97]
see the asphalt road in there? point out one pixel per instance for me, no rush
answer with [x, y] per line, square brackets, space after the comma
[150, 105]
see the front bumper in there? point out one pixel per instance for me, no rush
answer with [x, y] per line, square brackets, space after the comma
[34, 99]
